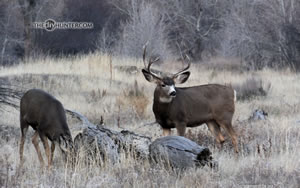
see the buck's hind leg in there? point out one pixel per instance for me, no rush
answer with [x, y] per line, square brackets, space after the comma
[216, 131]
[37, 148]
[24, 129]
[229, 129]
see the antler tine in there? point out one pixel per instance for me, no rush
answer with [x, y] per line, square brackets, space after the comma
[186, 68]
[144, 54]
[150, 61]
[149, 70]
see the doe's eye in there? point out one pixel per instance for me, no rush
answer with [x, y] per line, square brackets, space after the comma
[163, 85]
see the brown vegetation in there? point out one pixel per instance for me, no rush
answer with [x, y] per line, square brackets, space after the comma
[269, 149]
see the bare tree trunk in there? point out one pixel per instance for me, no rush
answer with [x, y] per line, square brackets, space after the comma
[27, 7]
[3, 50]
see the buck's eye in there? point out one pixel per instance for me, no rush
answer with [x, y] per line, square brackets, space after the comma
[163, 85]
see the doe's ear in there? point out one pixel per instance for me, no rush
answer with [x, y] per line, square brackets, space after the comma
[181, 78]
[149, 77]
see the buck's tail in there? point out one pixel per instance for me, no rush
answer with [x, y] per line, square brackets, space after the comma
[234, 95]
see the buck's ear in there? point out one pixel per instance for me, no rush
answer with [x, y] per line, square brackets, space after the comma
[181, 78]
[148, 76]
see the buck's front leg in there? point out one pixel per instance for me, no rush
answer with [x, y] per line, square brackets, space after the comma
[166, 132]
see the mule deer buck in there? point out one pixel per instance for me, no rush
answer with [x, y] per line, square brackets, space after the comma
[46, 115]
[176, 107]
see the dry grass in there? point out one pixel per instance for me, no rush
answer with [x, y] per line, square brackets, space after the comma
[251, 88]
[94, 86]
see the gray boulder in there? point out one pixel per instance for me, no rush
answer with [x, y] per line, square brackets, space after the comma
[179, 152]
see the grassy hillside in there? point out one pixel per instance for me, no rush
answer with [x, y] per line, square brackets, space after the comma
[98, 85]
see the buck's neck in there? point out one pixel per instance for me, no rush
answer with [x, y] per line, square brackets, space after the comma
[161, 98]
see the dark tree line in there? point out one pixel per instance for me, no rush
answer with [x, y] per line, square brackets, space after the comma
[257, 32]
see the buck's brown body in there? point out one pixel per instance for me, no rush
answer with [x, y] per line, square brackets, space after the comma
[46, 115]
[194, 106]
[179, 108]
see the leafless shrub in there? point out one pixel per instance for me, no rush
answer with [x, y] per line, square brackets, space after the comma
[105, 41]
[138, 99]
[128, 69]
[230, 64]
[252, 87]
[96, 95]
[195, 26]
[145, 23]
[9, 95]
[135, 98]
[263, 33]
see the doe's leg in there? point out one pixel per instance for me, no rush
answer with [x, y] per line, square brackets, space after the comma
[52, 152]
[24, 129]
[47, 148]
[37, 148]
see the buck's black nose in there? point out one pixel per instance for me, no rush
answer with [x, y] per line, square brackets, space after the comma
[173, 93]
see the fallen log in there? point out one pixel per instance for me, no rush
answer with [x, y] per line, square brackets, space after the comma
[112, 144]
[109, 145]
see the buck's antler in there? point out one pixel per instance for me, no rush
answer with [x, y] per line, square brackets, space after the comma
[150, 62]
[184, 69]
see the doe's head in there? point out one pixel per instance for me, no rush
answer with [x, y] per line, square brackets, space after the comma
[65, 143]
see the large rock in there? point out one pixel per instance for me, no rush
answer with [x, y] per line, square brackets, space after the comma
[258, 114]
[179, 152]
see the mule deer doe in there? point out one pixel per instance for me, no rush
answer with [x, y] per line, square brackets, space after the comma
[179, 108]
[46, 115]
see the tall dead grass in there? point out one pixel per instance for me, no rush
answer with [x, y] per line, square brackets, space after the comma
[94, 86]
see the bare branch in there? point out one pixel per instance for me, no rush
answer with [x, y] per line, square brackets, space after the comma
[9, 96]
